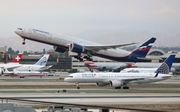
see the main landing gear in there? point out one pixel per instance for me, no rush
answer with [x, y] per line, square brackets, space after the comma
[77, 85]
[124, 87]
[23, 43]
[80, 57]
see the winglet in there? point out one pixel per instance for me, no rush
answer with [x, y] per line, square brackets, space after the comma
[166, 65]
[142, 50]
[17, 58]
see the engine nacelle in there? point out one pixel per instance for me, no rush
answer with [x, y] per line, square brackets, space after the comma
[115, 83]
[101, 84]
[1, 71]
[59, 49]
[76, 48]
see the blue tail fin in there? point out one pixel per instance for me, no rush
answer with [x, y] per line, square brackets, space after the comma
[166, 65]
[142, 50]
[43, 60]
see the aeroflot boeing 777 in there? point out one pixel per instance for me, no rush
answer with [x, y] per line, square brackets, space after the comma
[122, 79]
[64, 43]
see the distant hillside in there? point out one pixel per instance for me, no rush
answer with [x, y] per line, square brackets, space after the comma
[99, 36]
[118, 37]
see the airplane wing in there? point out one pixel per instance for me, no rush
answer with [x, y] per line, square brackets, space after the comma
[104, 47]
[45, 67]
[132, 79]
[11, 68]
[150, 58]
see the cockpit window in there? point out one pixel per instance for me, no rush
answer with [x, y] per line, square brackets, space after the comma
[19, 28]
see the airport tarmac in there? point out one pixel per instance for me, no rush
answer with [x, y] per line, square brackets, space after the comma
[160, 94]
[93, 100]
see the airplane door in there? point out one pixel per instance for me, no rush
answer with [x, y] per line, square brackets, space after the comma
[49, 36]
[29, 31]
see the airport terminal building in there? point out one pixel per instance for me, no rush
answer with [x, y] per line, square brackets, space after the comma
[64, 63]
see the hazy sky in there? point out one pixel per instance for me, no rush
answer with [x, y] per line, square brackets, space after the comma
[76, 16]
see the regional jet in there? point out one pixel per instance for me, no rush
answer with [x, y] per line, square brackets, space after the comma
[63, 43]
[13, 64]
[122, 79]
[40, 65]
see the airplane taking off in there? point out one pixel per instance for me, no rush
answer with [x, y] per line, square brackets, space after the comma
[13, 64]
[64, 43]
[122, 79]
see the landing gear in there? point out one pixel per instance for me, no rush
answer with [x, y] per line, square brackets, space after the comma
[23, 42]
[118, 87]
[77, 85]
[88, 58]
[80, 57]
[125, 87]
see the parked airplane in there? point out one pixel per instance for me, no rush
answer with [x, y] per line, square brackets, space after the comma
[138, 70]
[122, 79]
[38, 66]
[64, 43]
[175, 66]
[104, 66]
[29, 68]
[13, 64]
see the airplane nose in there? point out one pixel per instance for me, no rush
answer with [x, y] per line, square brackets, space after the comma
[18, 31]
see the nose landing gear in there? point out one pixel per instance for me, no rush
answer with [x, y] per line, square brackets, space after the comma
[23, 43]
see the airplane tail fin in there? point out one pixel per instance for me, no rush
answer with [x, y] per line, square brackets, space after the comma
[165, 66]
[17, 58]
[86, 62]
[142, 50]
[43, 60]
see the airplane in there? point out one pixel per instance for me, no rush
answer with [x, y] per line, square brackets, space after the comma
[63, 43]
[40, 65]
[174, 69]
[138, 70]
[13, 64]
[127, 66]
[122, 79]
[103, 66]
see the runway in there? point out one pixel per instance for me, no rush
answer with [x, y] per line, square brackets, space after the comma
[99, 99]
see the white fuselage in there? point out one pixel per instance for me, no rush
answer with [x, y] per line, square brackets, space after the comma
[109, 76]
[27, 67]
[107, 65]
[138, 70]
[10, 65]
[175, 66]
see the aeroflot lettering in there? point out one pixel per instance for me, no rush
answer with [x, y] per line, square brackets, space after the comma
[88, 75]
[40, 31]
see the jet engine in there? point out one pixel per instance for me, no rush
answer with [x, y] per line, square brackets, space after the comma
[115, 83]
[1, 71]
[76, 48]
[101, 84]
[59, 49]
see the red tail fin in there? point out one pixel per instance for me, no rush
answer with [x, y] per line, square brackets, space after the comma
[87, 62]
[17, 58]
